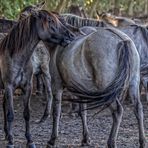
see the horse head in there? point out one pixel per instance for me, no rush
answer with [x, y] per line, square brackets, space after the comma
[50, 29]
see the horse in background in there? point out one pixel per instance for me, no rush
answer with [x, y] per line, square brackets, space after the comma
[17, 47]
[116, 21]
[77, 10]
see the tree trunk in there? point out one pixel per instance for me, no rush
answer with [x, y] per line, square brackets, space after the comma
[146, 7]
[116, 7]
[131, 8]
[94, 6]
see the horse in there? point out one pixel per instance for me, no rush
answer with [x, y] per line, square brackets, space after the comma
[116, 21]
[80, 22]
[17, 47]
[77, 10]
[135, 32]
[99, 71]
[39, 60]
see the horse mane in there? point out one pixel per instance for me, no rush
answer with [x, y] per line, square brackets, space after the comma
[18, 36]
[6, 25]
[78, 21]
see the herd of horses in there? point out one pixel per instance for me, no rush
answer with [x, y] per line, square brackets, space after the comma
[98, 62]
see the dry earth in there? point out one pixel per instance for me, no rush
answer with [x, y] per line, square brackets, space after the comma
[71, 128]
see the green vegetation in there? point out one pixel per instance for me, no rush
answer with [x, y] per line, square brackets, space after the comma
[11, 8]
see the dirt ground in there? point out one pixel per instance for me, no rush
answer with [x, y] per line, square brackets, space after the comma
[71, 128]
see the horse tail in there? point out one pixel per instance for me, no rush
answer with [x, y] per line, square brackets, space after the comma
[116, 88]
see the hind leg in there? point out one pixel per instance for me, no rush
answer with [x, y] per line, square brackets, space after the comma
[49, 97]
[145, 85]
[138, 110]
[117, 112]
[83, 115]
[56, 117]
[39, 85]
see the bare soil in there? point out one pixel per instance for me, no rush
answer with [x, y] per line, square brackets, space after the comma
[71, 127]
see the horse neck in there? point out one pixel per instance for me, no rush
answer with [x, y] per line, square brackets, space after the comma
[30, 47]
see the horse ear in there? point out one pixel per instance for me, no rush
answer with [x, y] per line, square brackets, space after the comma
[40, 5]
[34, 13]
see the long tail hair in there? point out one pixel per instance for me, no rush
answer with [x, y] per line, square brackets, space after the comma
[117, 87]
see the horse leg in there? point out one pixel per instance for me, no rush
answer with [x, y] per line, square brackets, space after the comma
[49, 97]
[117, 112]
[138, 110]
[145, 84]
[39, 85]
[56, 117]
[27, 94]
[5, 117]
[8, 114]
[83, 115]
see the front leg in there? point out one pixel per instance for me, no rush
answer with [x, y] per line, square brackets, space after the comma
[27, 95]
[56, 117]
[8, 114]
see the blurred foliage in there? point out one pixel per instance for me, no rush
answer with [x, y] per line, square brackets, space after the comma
[11, 8]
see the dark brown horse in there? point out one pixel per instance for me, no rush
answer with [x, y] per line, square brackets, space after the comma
[39, 60]
[17, 47]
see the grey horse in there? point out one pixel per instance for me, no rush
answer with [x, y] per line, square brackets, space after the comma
[17, 47]
[101, 67]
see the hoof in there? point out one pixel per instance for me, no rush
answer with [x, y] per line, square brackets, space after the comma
[86, 142]
[50, 146]
[31, 145]
[143, 145]
[10, 146]
[43, 119]
[39, 93]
